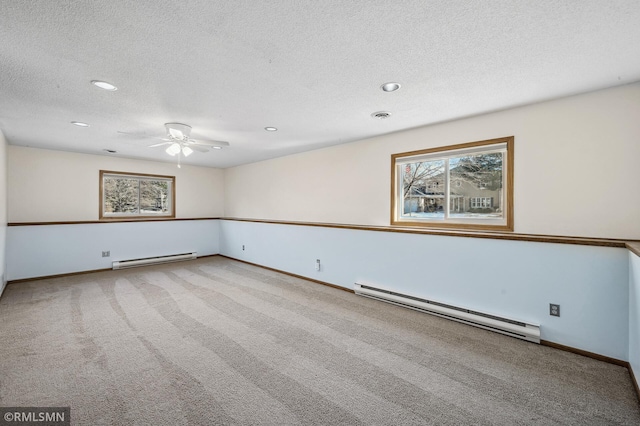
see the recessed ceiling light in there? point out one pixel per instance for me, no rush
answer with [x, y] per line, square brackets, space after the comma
[390, 87]
[104, 85]
[217, 147]
[271, 129]
[110, 151]
[79, 124]
[381, 115]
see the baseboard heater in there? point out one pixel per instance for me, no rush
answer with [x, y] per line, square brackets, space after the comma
[513, 328]
[132, 263]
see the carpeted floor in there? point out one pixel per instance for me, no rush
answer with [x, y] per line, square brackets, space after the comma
[218, 342]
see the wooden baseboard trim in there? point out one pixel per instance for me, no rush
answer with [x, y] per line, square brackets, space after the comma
[542, 342]
[598, 357]
[547, 343]
[70, 274]
[208, 255]
[585, 353]
[348, 290]
[48, 277]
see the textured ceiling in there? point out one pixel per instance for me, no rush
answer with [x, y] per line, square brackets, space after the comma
[310, 68]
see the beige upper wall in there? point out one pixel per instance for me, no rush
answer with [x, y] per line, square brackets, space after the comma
[46, 185]
[576, 169]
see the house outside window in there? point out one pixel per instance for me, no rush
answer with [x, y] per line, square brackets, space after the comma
[136, 196]
[466, 186]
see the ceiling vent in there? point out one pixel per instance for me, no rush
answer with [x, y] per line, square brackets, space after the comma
[381, 115]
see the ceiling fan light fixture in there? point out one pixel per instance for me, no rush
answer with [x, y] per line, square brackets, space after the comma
[187, 151]
[173, 149]
[104, 85]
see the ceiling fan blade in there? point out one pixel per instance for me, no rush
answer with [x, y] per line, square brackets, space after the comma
[197, 148]
[142, 136]
[159, 144]
[208, 142]
[135, 135]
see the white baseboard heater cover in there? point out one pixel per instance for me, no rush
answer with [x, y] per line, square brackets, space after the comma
[132, 263]
[513, 328]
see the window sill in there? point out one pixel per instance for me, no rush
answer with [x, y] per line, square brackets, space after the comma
[455, 226]
[135, 218]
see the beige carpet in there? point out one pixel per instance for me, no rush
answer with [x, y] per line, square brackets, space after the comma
[218, 342]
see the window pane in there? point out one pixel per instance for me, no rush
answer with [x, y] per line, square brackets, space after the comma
[120, 195]
[128, 195]
[154, 196]
[465, 186]
[423, 189]
[476, 190]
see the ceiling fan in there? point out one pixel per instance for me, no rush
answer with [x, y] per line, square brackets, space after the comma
[178, 138]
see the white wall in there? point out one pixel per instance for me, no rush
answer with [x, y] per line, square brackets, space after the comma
[515, 279]
[3, 211]
[576, 174]
[37, 251]
[634, 314]
[48, 186]
[576, 170]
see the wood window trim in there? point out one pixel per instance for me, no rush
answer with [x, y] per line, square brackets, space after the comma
[130, 218]
[509, 204]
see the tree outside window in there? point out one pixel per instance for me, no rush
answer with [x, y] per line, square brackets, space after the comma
[130, 195]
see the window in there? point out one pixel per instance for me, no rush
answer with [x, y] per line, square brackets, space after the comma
[466, 186]
[135, 195]
[481, 202]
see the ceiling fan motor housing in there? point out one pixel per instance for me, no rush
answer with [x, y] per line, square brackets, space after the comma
[185, 129]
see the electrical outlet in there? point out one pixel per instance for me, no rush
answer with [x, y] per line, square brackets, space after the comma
[106, 253]
[554, 310]
[317, 264]
[243, 247]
